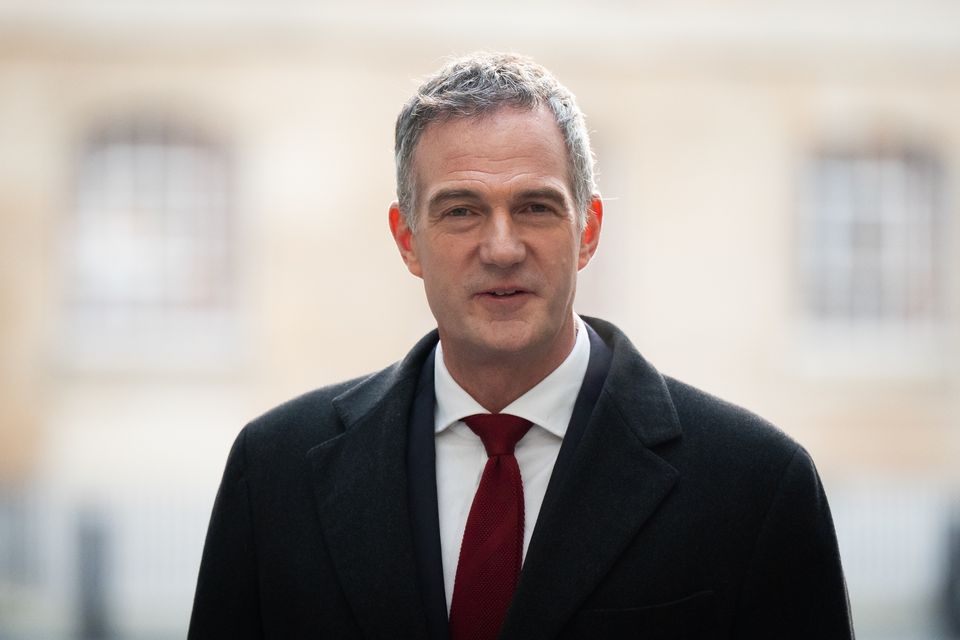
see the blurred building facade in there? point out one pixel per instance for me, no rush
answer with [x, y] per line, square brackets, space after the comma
[193, 204]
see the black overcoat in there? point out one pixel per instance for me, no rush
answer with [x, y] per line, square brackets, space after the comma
[670, 514]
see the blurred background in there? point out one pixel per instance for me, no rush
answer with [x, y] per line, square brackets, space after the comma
[193, 201]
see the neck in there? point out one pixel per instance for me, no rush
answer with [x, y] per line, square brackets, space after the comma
[499, 379]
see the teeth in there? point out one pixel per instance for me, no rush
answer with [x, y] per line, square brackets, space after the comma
[504, 293]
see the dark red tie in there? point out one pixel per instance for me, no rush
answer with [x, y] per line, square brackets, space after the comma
[492, 548]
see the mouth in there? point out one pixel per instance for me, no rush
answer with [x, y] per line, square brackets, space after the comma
[503, 293]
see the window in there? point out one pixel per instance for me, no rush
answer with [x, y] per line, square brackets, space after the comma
[149, 259]
[872, 254]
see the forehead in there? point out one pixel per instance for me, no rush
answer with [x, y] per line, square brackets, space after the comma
[509, 147]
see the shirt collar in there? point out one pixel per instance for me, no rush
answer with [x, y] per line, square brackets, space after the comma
[549, 404]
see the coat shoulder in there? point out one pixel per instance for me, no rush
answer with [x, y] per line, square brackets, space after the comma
[299, 423]
[728, 446]
[723, 421]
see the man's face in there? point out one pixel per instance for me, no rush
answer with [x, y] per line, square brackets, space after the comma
[497, 242]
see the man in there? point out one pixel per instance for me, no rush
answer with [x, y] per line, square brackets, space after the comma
[529, 475]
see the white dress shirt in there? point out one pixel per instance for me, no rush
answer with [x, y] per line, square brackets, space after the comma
[461, 456]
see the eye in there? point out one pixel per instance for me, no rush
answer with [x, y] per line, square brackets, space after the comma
[458, 212]
[537, 208]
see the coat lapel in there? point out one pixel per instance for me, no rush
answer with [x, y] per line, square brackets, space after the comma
[422, 498]
[601, 495]
[607, 484]
[360, 485]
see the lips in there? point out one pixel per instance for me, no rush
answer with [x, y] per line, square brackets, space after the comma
[504, 292]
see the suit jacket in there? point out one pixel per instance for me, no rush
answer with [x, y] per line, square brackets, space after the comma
[670, 514]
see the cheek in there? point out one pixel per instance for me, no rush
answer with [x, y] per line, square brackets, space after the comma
[437, 281]
[571, 255]
[428, 260]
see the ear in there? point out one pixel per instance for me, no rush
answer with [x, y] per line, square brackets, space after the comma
[590, 236]
[403, 236]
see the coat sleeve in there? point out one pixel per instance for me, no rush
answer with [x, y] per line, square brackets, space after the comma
[794, 586]
[226, 603]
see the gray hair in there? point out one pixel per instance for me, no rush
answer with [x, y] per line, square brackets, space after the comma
[479, 84]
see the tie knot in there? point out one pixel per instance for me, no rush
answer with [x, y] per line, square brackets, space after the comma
[499, 432]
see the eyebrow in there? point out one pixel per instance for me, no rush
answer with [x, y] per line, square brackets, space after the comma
[542, 193]
[452, 194]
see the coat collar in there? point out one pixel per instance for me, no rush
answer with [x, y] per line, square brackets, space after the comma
[602, 493]
[609, 486]
[360, 486]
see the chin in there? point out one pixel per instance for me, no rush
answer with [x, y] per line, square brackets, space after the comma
[504, 342]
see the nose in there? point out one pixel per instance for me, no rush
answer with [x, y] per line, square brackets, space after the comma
[500, 244]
